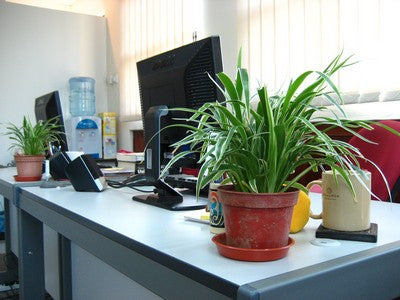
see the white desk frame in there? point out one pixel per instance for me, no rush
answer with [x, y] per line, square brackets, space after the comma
[176, 259]
[9, 191]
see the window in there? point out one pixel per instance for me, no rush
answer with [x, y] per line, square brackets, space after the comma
[282, 38]
[150, 27]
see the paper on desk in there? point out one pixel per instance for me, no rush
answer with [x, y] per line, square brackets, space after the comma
[200, 216]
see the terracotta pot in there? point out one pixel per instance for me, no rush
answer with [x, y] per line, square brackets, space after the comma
[29, 165]
[258, 221]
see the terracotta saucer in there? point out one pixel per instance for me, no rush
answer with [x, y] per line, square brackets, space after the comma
[248, 254]
[21, 178]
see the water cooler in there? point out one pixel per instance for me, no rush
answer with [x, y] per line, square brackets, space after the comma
[84, 127]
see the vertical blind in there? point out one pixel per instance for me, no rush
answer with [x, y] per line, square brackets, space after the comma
[149, 27]
[282, 38]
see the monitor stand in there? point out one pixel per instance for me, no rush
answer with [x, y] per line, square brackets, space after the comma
[168, 198]
[165, 196]
[186, 204]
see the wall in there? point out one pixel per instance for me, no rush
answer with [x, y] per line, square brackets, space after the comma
[113, 44]
[225, 27]
[40, 49]
[88, 7]
[114, 50]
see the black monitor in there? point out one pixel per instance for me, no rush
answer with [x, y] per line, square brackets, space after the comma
[49, 106]
[176, 78]
[179, 78]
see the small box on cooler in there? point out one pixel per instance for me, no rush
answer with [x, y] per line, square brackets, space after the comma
[109, 125]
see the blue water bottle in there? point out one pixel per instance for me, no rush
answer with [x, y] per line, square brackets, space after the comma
[82, 97]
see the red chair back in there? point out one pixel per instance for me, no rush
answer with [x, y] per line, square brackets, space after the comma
[385, 154]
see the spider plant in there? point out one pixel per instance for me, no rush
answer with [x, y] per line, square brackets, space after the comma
[259, 149]
[32, 139]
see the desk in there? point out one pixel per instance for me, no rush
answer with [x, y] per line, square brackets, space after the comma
[176, 259]
[8, 189]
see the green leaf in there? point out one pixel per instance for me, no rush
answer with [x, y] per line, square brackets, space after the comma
[244, 78]
[292, 90]
[229, 86]
[239, 60]
[262, 149]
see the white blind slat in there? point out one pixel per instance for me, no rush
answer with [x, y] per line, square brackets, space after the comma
[282, 43]
[279, 39]
[268, 65]
[298, 35]
[149, 27]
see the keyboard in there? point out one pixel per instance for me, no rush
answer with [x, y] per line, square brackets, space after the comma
[184, 181]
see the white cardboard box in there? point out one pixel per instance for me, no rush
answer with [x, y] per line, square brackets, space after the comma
[130, 157]
[127, 165]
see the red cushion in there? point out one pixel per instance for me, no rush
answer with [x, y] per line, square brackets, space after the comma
[385, 154]
[316, 189]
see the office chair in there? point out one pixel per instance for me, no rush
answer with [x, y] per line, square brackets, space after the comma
[385, 154]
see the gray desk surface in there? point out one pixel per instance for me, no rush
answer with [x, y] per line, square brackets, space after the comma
[112, 219]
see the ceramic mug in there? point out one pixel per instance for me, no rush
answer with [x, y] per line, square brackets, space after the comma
[217, 224]
[340, 209]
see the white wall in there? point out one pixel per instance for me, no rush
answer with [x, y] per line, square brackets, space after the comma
[40, 49]
[88, 7]
[220, 18]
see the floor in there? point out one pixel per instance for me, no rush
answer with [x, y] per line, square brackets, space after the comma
[10, 291]
[6, 291]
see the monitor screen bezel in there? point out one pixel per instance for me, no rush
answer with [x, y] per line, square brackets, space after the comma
[42, 106]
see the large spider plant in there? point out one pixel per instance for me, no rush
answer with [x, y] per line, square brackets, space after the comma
[259, 149]
[32, 139]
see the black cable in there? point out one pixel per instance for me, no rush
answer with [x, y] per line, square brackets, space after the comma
[129, 184]
[115, 184]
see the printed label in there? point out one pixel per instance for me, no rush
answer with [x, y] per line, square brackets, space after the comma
[216, 213]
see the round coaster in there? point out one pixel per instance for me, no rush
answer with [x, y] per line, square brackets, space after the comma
[325, 242]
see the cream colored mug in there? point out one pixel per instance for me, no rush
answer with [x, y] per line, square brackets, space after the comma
[340, 209]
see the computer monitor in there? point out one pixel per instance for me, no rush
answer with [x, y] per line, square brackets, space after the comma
[49, 106]
[179, 78]
[176, 78]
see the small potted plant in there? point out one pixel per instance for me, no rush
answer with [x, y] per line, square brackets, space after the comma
[259, 143]
[30, 143]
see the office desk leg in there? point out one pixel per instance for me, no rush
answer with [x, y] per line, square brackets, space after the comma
[64, 246]
[10, 276]
[31, 263]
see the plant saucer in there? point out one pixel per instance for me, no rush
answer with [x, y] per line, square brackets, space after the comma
[248, 254]
[28, 178]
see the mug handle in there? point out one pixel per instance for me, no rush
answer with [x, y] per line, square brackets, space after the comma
[317, 182]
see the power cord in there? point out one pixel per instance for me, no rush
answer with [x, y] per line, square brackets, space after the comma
[9, 165]
[133, 182]
[117, 185]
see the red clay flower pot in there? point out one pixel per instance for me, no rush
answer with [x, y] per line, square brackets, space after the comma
[258, 221]
[29, 166]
